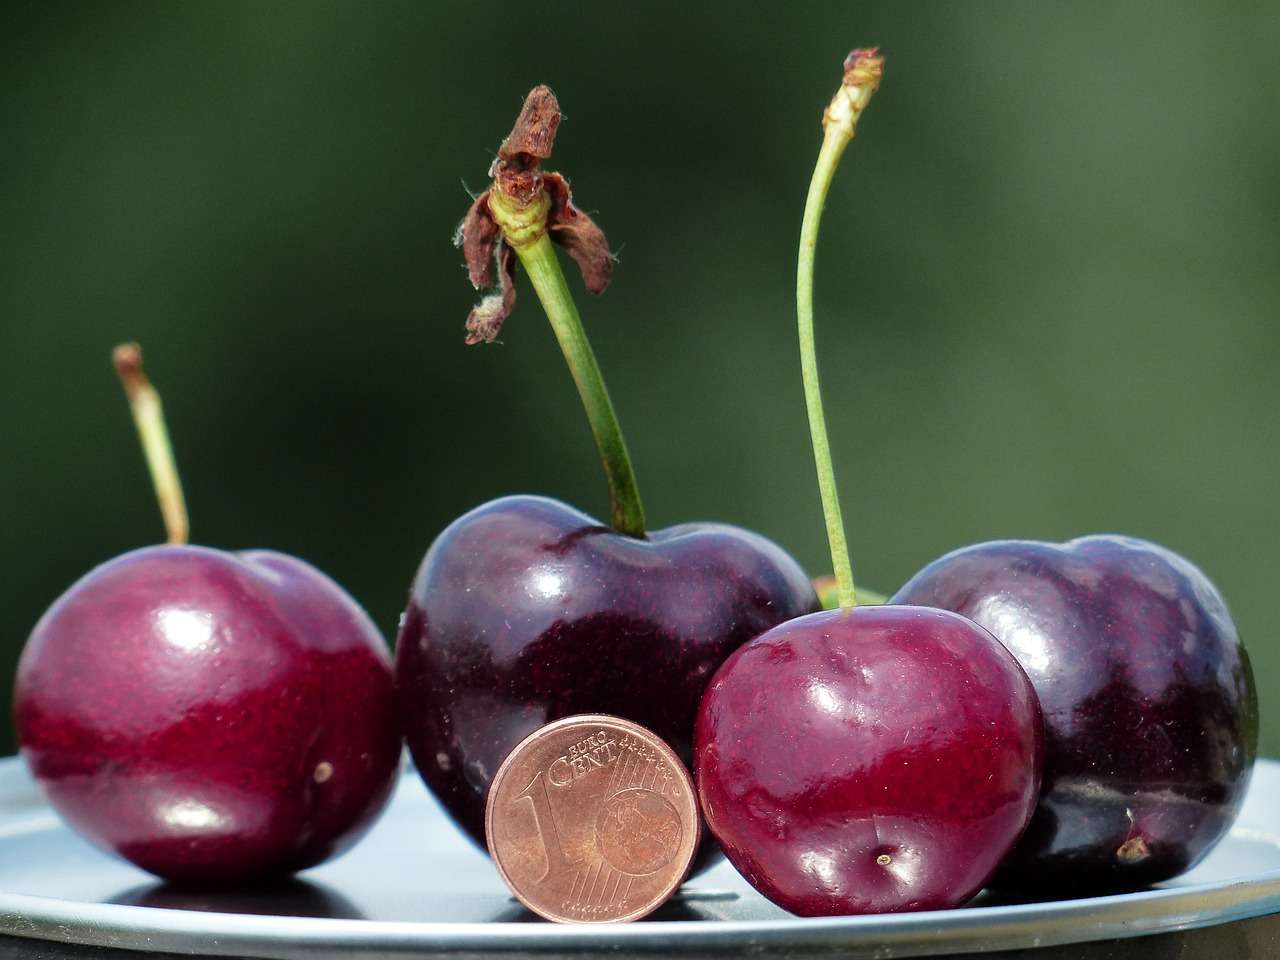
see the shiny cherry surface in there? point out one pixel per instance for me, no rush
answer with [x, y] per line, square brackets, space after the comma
[526, 610]
[1150, 712]
[870, 760]
[211, 717]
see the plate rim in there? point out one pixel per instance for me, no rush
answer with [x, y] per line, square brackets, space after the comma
[927, 933]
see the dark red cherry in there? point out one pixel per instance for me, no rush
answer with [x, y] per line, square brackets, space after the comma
[209, 716]
[526, 610]
[869, 760]
[1151, 719]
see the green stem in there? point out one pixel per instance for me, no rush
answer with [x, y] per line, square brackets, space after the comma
[839, 123]
[828, 159]
[540, 262]
[148, 417]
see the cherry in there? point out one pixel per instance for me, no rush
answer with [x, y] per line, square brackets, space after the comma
[1151, 717]
[868, 760]
[526, 610]
[209, 716]
[864, 759]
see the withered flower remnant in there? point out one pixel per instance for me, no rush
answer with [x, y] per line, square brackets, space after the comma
[522, 204]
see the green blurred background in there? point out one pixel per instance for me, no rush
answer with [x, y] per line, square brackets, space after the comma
[1047, 296]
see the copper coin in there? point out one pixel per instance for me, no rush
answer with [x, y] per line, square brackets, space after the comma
[592, 819]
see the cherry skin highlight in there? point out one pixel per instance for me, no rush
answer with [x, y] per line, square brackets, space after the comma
[211, 717]
[1151, 717]
[526, 610]
[869, 760]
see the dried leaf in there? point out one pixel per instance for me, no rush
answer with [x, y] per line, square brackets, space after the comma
[535, 128]
[477, 235]
[486, 319]
[578, 234]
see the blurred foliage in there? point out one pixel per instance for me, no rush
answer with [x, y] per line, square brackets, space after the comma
[1047, 293]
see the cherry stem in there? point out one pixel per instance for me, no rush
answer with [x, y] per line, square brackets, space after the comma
[863, 70]
[539, 260]
[148, 416]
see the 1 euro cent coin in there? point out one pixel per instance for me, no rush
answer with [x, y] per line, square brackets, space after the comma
[592, 819]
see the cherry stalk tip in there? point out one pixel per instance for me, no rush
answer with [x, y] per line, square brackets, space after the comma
[863, 71]
[127, 359]
[148, 417]
[523, 204]
[863, 66]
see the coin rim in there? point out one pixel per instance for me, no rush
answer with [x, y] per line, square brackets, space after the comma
[672, 760]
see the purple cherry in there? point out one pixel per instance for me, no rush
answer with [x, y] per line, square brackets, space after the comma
[1151, 717]
[526, 610]
[209, 716]
[870, 760]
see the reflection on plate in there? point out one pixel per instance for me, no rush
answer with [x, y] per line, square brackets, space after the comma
[285, 898]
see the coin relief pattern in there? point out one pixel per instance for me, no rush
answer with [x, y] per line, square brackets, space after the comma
[589, 822]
